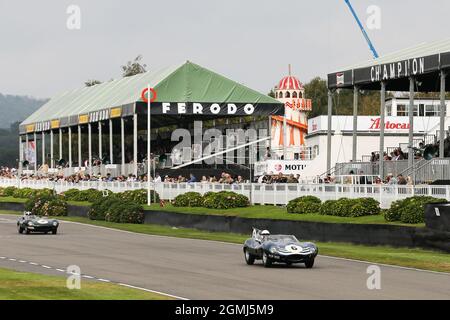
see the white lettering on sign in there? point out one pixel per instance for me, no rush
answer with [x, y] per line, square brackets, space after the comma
[198, 108]
[397, 70]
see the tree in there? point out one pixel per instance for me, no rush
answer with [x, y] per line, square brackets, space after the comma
[134, 67]
[91, 83]
[271, 93]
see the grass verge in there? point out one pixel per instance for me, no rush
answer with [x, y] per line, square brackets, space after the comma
[255, 212]
[16, 285]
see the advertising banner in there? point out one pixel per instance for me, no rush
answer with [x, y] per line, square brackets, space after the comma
[30, 152]
[285, 167]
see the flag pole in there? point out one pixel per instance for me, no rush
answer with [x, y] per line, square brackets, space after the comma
[149, 200]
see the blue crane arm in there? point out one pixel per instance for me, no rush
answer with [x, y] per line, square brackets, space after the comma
[372, 48]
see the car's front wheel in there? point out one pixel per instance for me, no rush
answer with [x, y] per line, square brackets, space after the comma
[309, 263]
[55, 231]
[267, 262]
[19, 228]
[249, 258]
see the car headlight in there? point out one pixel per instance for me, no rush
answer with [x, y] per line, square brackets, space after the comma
[55, 223]
[273, 250]
[30, 223]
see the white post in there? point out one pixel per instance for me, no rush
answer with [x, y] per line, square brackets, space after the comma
[19, 165]
[100, 147]
[149, 200]
[111, 154]
[51, 149]
[60, 144]
[70, 147]
[90, 147]
[122, 143]
[35, 152]
[135, 143]
[43, 147]
[26, 147]
[79, 147]
[285, 135]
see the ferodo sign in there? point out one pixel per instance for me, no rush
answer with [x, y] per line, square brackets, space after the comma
[196, 108]
[281, 166]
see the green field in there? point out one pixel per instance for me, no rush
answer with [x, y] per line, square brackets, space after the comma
[16, 285]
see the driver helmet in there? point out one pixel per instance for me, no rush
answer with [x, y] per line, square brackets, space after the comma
[265, 234]
[27, 213]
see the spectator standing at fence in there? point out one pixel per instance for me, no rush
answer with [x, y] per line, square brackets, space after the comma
[401, 180]
[192, 178]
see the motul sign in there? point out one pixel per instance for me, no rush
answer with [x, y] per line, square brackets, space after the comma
[376, 125]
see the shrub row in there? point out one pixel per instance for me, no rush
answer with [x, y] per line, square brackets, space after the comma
[409, 210]
[342, 208]
[23, 193]
[46, 204]
[114, 208]
[211, 200]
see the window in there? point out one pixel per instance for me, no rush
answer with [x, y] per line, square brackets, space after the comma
[389, 110]
[401, 110]
[287, 95]
[280, 94]
[300, 95]
[294, 94]
[432, 111]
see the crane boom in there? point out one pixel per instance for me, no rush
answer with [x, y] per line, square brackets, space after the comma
[372, 48]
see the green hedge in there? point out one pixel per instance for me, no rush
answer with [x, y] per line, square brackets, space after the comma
[304, 205]
[345, 207]
[139, 196]
[189, 199]
[89, 195]
[224, 200]
[8, 191]
[115, 209]
[46, 204]
[409, 210]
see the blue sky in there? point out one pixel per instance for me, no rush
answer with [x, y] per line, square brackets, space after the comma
[249, 41]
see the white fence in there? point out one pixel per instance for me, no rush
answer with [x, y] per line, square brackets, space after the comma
[272, 194]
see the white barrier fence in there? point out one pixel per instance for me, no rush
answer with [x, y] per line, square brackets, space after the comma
[272, 194]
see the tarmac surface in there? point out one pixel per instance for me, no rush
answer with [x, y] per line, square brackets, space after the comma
[198, 269]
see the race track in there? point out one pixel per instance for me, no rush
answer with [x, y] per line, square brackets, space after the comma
[196, 269]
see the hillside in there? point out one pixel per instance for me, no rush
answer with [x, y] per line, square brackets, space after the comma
[17, 108]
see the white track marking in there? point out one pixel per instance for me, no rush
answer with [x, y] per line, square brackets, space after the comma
[152, 291]
[236, 244]
[98, 279]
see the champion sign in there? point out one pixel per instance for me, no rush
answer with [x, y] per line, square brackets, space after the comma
[397, 70]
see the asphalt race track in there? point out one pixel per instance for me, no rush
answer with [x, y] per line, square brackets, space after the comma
[196, 269]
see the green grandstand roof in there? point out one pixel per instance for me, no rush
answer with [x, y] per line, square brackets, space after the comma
[186, 82]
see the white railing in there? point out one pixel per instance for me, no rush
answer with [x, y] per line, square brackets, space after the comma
[271, 194]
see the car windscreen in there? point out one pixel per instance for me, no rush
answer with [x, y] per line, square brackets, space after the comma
[282, 238]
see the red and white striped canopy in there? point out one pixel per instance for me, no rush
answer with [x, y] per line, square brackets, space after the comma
[290, 83]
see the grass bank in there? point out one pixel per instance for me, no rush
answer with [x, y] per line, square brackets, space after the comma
[254, 212]
[16, 285]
